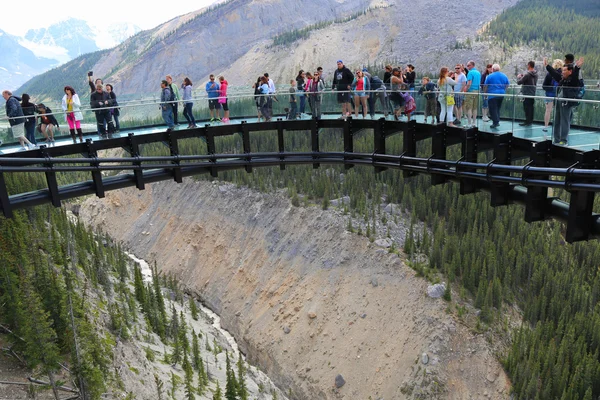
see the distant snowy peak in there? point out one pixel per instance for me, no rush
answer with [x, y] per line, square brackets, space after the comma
[108, 36]
[77, 37]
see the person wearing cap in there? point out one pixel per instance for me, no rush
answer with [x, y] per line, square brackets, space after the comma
[342, 81]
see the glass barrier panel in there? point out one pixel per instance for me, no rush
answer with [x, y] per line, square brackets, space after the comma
[143, 110]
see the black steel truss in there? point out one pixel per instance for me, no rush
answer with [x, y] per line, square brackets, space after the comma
[525, 184]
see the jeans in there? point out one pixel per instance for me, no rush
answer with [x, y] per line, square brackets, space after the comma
[562, 119]
[302, 103]
[30, 131]
[187, 113]
[167, 114]
[494, 105]
[316, 107]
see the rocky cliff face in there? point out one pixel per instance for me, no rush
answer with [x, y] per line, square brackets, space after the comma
[308, 301]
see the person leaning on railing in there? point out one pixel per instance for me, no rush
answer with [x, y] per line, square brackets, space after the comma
[568, 87]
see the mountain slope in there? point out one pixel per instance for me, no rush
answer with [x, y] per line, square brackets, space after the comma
[18, 64]
[236, 38]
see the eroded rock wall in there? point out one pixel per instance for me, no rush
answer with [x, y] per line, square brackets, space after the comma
[306, 300]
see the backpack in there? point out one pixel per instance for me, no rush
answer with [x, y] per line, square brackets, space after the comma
[581, 91]
[172, 98]
[376, 83]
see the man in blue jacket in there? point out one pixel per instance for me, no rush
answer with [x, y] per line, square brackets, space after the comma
[212, 88]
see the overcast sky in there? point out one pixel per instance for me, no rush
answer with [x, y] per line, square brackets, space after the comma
[18, 17]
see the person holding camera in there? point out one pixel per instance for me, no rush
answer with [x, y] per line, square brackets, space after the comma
[100, 102]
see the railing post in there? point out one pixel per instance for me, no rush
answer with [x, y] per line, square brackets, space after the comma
[4, 199]
[314, 138]
[502, 155]
[579, 220]
[210, 146]
[537, 196]
[409, 144]
[469, 154]
[246, 144]
[438, 148]
[379, 140]
[348, 143]
[97, 174]
[174, 149]
[280, 143]
[134, 150]
[51, 179]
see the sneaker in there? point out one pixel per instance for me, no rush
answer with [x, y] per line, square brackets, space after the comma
[563, 143]
[22, 148]
[485, 118]
[525, 123]
[212, 120]
[225, 120]
[544, 129]
[494, 126]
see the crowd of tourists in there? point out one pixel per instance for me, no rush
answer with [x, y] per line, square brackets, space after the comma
[449, 98]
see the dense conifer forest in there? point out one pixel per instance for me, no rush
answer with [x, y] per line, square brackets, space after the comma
[497, 260]
[67, 296]
[557, 26]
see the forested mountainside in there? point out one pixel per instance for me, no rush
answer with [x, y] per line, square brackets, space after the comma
[558, 26]
[77, 318]
[496, 259]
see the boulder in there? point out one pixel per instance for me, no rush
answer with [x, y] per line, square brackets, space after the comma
[436, 291]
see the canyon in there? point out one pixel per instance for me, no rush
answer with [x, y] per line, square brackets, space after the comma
[324, 312]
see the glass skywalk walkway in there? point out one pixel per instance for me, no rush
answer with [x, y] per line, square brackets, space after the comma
[142, 116]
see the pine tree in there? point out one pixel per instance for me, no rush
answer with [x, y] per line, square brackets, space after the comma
[189, 378]
[196, 358]
[159, 387]
[231, 385]
[242, 391]
[217, 395]
[193, 308]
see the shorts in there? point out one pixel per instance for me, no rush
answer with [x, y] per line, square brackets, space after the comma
[343, 97]
[471, 100]
[213, 104]
[485, 102]
[225, 106]
[360, 94]
[18, 130]
[548, 101]
[458, 100]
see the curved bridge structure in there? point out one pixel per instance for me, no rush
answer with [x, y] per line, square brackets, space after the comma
[546, 165]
